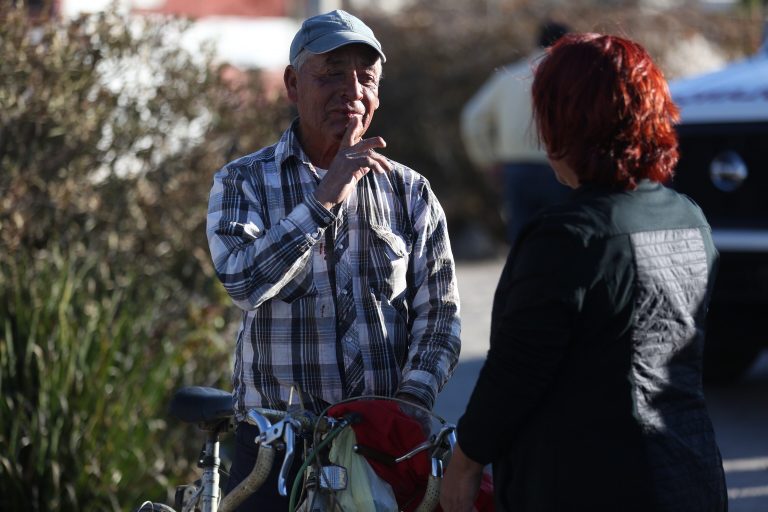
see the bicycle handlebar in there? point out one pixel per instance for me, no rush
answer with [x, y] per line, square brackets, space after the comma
[252, 482]
[307, 421]
[281, 427]
[274, 427]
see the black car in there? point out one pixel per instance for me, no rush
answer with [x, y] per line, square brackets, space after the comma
[724, 168]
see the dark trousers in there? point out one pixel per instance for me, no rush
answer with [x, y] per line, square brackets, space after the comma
[267, 497]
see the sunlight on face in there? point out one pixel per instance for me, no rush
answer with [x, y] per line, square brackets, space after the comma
[332, 88]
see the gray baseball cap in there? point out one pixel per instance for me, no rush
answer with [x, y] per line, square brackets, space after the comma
[326, 32]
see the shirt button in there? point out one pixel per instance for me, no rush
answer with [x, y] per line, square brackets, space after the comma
[341, 247]
[344, 292]
[326, 219]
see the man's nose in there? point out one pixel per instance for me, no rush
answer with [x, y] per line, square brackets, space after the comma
[353, 89]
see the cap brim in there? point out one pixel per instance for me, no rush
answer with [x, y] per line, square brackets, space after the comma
[330, 42]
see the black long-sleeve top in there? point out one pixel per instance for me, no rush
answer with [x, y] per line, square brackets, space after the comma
[591, 395]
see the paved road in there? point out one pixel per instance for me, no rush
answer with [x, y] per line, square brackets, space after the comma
[739, 412]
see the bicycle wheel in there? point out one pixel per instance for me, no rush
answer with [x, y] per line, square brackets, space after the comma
[148, 506]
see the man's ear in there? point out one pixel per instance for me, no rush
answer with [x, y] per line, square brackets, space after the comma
[290, 79]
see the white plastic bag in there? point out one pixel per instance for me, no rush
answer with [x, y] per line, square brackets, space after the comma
[366, 491]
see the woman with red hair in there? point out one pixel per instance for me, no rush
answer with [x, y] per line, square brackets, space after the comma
[591, 396]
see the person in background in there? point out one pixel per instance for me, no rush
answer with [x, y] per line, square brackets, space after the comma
[500, 138]
[338, 256]
[591, 395]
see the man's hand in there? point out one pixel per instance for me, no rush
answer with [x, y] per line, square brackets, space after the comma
[461, 483]
[416, 411]
[356, 157]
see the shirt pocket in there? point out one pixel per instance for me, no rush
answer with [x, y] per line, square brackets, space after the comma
[388, 259]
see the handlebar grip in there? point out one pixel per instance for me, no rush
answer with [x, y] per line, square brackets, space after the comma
[252, 482]
[432, 494]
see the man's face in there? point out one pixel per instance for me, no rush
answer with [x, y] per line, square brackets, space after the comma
[331, 88]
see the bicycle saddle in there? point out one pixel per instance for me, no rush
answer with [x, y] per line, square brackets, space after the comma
[197, 404]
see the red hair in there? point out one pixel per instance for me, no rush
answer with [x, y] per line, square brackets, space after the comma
[603, 106]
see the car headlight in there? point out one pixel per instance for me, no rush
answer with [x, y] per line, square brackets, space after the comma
[728, 171]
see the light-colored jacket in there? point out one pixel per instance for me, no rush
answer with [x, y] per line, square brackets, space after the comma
[497, 123]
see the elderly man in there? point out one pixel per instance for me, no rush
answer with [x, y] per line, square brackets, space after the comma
[338, 256]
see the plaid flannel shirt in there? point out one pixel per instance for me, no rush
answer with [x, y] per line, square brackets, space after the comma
[364, 293]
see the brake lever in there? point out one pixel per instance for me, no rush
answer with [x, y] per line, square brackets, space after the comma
[289, 439]
[254, 418]
[283, 431]
[426, 445]
[447, 434]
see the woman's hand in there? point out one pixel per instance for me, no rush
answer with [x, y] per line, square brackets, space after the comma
[461, 483]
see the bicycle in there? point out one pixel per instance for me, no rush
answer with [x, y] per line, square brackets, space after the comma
[318, 481]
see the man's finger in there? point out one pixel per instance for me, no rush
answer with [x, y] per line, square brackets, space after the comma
[371, 159]
[359, 173]
[370, 143]
[352, 134]
[382, 162]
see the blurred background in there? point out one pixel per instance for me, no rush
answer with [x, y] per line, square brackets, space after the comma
[114, 117]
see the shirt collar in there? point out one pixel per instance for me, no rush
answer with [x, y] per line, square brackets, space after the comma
[290, 147]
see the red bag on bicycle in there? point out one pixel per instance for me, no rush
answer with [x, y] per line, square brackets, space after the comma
[385, 432]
